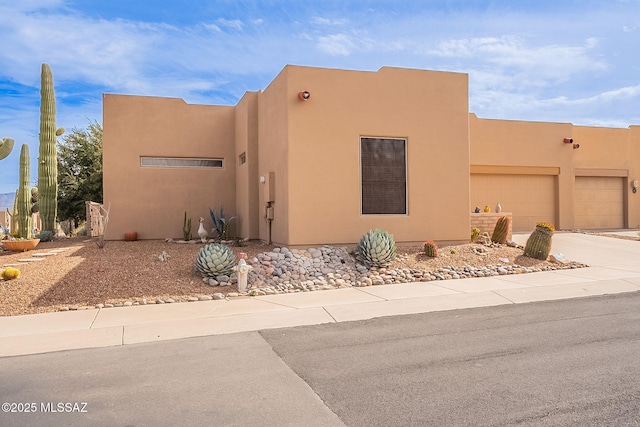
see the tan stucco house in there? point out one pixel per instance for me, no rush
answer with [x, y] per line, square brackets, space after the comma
[323, 155]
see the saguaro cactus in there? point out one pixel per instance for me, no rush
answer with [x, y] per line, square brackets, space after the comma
[24, 194]
[48, 161]
[14, 216]
[6, 145]
[35, 200]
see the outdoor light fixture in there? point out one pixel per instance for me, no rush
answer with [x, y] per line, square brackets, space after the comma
[576, 146]
[304, 95]
[634, 185]
[568, 140]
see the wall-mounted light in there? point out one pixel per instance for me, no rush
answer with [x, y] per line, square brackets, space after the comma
[568, 140]
[576, 146]
[304, 95]
[634, 185]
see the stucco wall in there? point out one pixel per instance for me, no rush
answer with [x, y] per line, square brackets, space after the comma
[309, 153]
[246, 138]
[273, 153]
[512, 147]
[427, 108]
[152, 201]
[634, 174]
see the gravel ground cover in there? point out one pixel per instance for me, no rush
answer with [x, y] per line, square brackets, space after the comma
[81, 275]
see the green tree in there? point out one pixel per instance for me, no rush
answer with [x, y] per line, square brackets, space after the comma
[79, 172]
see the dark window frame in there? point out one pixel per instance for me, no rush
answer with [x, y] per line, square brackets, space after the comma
[383, 176]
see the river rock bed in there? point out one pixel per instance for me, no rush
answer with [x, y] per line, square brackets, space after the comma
[284, 270]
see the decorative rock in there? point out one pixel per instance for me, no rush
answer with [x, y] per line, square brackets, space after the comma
[128, 304]
[193, 299]
[205, 298]
[169, 300]
[558, 258]
[232, 294]
[218, 296]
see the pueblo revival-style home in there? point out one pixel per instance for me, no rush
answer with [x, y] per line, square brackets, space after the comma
[321, 156]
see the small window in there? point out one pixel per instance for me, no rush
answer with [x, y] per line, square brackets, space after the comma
[180, 162]
[384, 176]
[243, 158]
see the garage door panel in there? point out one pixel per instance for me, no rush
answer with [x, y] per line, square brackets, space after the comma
[599, 202]
[530, 198]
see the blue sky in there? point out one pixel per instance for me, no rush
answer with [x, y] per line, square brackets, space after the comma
[560, 61]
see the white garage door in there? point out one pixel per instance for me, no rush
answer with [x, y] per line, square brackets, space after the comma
[599, 202]
[530, 198]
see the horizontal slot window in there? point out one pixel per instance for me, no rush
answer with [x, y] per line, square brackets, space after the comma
[180, 162]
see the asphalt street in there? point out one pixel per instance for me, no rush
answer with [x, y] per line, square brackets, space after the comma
[559, 363]
[569, 363]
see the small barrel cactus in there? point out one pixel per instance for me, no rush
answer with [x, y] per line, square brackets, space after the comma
[215, 259]
[501, 230]
[475, 232]
[10, 273]
[376, 248]
[430, 249]
[539, 242]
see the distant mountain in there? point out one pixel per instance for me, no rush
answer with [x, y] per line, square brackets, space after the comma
[6, 200]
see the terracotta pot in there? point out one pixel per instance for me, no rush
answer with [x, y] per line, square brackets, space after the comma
[20, 245]
[131, 236]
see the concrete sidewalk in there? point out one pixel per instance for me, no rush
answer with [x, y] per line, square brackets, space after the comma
[614, 268]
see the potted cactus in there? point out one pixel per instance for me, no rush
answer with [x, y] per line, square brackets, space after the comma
[24, 209]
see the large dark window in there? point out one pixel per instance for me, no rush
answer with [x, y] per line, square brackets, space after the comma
[384, 175]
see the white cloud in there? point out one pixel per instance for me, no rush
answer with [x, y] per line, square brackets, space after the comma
[212, 27]
[234, 24]
[512, 60]
[328, 22]
[337, 44]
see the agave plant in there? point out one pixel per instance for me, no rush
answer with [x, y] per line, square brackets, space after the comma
[215, 259]
[376, 248]
[220, 223]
